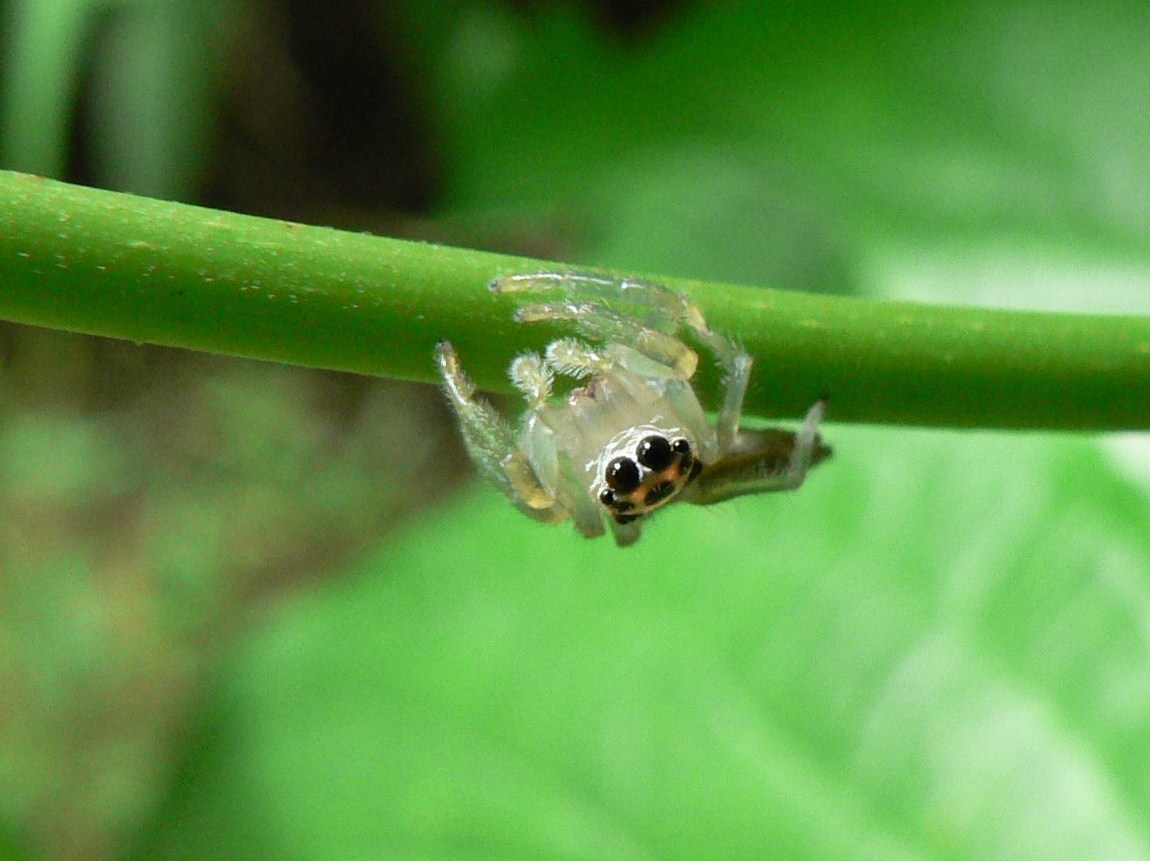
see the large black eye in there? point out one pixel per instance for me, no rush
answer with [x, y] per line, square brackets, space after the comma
[610, 500]
[654, 452]
[622, 475]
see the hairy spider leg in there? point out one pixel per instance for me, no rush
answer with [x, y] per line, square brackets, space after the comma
[600, 323]
[577, 359]
[735, 382]
[491, 442]
[656, 306]
[531, 376]
[762, 462]
[662, 307]
[806, 446]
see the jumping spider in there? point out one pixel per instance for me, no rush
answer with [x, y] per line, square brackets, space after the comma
[633, 437]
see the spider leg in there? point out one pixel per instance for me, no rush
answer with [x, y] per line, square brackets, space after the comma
[531, 376]
[585, 511]
[809, 449]
[762, 462]
[738, 376]
[650, 308]
[491, 442]
[601, 323]
[625, 534]
[653, 332]
[659, 307]
[662, 307]
[578, 359]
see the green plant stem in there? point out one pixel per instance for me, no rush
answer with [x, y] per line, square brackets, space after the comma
[151, 271]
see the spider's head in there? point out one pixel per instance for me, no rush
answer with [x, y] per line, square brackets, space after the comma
[647, 476]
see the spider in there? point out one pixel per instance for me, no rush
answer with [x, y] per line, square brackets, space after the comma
[632, 437]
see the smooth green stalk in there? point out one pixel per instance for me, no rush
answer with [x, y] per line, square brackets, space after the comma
[147, 270]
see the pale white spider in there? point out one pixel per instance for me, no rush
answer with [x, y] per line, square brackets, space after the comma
[633, 436]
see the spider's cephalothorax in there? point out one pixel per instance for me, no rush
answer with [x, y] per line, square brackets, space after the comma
[633, 437]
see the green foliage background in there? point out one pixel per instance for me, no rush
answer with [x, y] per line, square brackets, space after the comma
[937, 649]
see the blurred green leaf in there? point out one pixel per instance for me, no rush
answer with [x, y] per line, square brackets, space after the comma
[49, 458]
[154, 71]
[44, 43]
[11, 849]
[143, 71]
[993, 153]
[937, 649]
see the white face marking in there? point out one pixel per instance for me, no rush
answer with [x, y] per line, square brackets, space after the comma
[624, 444]
[643, 469]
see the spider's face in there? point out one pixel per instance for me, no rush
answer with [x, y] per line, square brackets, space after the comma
[646, 475]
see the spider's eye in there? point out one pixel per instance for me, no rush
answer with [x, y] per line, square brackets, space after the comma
[654, 452]
[681, 446]
[622, 475]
